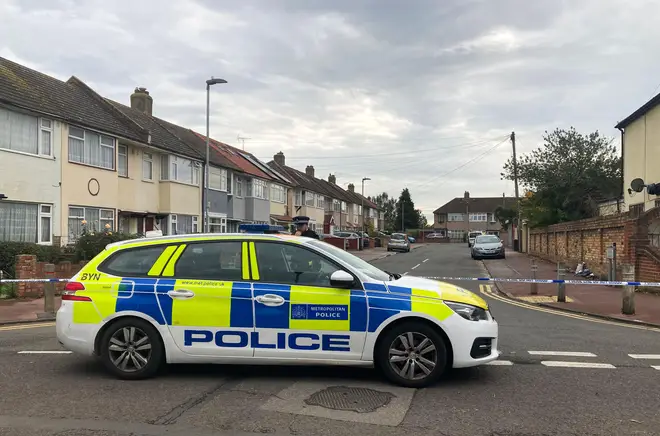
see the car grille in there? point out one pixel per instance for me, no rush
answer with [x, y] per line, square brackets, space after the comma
[482, 347]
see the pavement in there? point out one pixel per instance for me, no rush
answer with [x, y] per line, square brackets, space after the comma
[602, 301]
[560, 374]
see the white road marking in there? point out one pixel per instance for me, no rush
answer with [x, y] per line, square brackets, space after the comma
[500, 363]
[425, 260]
[645, 356]
[415, 266]
[656, 367]
[45, 352]
[562, 353]
[405, 273]
[560, 364]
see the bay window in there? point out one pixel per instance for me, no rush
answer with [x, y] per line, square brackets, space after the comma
[147, 166]
[320, 201]
[217, 224]
[344, 207]
[309, 198]
[179, 169]
[25, 133]
[297, 198]
[93, 219]
[218, 179]
[26, 222]
[257, 188]
[277, 193]
[336, 205]
[91, 148]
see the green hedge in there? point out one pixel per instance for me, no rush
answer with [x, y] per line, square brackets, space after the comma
[87, 246]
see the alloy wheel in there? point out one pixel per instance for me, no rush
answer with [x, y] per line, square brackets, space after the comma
[130, 349]
[413, 356]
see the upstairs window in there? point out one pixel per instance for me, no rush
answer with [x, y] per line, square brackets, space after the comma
[179, 169]
[91, 148]
[25, 133]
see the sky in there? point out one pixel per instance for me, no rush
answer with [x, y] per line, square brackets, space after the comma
[417, 94]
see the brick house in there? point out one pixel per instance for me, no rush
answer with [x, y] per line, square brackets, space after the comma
[461, 215]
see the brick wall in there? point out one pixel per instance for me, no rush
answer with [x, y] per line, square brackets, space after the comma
[27, 267]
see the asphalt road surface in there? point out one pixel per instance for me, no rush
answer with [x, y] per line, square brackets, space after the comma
[559, 374]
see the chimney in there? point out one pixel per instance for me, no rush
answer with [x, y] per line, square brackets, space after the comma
[309, 171]
[142, 101]
[351, 187]
[332, 179]
[279, 159]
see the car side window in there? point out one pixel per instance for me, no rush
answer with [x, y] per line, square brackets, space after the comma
[292, 265]
[132, 262]
[219, 260]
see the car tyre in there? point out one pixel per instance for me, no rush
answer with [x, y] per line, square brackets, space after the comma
[428, 347]
[140, 345]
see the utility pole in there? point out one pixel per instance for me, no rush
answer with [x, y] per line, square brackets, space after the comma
[515, 181]
[466, 199]
[242, 140]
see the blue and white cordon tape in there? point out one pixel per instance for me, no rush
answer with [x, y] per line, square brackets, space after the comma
[469, 279]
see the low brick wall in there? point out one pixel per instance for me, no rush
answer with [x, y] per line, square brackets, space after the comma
[27, 267]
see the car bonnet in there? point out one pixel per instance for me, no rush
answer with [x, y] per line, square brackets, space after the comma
[446, 291]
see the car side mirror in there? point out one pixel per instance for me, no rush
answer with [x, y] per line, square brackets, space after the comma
[341, 279]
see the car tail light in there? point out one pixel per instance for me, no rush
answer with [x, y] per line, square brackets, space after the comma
[70, 290]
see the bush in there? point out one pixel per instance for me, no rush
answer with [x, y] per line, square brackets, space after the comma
[91, 244]
[44, 253]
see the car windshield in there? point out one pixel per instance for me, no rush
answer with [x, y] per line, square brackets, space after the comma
[474, 235]
[488, 239]
[398, 236]
[354, 261]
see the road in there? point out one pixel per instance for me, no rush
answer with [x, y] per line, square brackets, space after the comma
[606, 393]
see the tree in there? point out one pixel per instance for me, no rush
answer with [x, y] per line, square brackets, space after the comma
[567, 177]
[421, 219]
[406, 206]
[388, 206]
[505, 216]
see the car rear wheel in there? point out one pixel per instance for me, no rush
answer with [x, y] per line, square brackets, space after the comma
[131, 349]
[412, 355]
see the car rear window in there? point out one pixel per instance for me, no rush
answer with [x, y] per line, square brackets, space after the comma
[132, 261]
[398, 236]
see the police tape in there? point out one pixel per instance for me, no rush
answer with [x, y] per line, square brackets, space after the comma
[444, 278]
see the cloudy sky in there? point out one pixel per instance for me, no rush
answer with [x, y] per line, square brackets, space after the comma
[414, 93]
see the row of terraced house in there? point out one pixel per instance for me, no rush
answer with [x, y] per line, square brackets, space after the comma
[71, 159]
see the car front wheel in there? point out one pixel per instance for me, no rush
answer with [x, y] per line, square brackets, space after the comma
[412, 355]
[131, 349]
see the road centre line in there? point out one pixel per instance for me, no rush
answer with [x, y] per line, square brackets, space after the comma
[562, 353]
[425, 260]
[561, 364]
[645, 356]
[415, 266]
[44, 352]
[486, 290]
[656, 367]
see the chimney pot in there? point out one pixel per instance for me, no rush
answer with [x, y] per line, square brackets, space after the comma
[279, 159]
[309, 170]
[351, 187]
[332, 179]
[142, 101]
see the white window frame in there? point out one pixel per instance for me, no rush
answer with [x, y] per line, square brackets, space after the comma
[102, 136]
[344, 207]
[257, 188]
[171, 172]
[41, 129]
[48, 213]
[320, 201]
[238, 185]
[195, 224]
[478, 217]
[122, 156]
[173, 222]
[277, 193]
[221, 175]
[455, 217]
[148, 160]
[222, 224]
[309, 199]
[336, 205]
[101, 224]
[297, 197]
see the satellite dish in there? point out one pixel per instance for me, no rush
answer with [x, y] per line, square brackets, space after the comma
[637, 185]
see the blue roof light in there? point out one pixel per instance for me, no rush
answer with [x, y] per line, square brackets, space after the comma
[260, 228]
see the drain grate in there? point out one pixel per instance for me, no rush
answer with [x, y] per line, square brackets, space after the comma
[361, 400]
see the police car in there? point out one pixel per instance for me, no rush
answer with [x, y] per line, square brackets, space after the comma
[260, 297]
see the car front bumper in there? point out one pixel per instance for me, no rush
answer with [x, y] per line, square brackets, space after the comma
[474, 343]
[493, 254]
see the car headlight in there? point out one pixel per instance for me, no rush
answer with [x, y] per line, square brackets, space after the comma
[469, 312]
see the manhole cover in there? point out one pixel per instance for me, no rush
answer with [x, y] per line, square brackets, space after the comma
[361, 400]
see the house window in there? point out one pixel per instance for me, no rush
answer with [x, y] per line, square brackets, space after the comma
[96, 220]
[25, 133]
[184, 224]
[454, 217]
[147, 166]
[218, 224]
[297, 198]
[478, 217]
[26, 222]
[309, 198]
[257, 188]
[91, 148]
[239, 187]
[179, 169]
[217, 179]
[336, 205]
[320, 201]
[122, 160]
[344, 206]
[277, 193]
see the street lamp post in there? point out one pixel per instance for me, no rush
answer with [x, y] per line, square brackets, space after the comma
[363, 180]
[212, 81]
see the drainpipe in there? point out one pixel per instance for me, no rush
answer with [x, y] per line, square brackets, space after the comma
[623, 189]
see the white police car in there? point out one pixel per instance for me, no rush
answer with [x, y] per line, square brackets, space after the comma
[267, 298]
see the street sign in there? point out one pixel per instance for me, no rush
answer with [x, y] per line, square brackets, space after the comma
[610, 252]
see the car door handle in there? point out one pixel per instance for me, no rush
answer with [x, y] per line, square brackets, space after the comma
[181, 294]
[270, 300]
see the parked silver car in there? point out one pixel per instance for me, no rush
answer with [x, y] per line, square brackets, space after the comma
[487, 246]
[399, 242]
